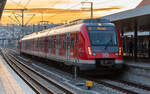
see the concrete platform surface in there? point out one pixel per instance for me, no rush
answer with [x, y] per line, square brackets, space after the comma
[145, 65]
[10, 82]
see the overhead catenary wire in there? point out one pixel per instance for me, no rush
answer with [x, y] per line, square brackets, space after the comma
[30, 19]
[24, 8]
[27, 3]
[65, 10]
[13, 19]
[18, 4]
[16, 18]
[54, 3]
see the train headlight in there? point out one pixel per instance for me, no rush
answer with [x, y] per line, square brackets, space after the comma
[120, 50]
[116, 54]
[89, 51]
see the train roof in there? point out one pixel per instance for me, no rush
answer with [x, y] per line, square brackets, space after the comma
[54, 31]
[71, 27]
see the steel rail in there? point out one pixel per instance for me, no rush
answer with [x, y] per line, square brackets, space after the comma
[21, 75]
[109, 85]
[67, 91]
[134, 85]
[61, 87]
[113, 86]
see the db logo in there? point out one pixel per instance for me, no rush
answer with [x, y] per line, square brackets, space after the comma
[105, 55]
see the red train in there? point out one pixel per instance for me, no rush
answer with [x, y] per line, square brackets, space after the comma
[88, 44]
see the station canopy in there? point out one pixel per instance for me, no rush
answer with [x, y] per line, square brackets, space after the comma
[126, 19]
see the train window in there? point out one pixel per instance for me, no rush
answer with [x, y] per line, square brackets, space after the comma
[43, 43]
[57, 41]
[77, 37]
[37, 44]
[60, 43]
[49, 43]
[72, 43]
[53, 43]
[64, 44]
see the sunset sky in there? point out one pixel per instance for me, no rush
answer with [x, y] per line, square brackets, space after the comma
[57, 11]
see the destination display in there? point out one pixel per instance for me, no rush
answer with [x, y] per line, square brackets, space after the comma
[100, 28]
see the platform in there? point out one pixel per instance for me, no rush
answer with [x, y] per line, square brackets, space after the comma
[139, 63]
[144, 65]
[10, 82]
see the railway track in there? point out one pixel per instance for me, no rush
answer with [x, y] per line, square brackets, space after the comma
[120, 86]
[134, 85]
[38, 82]
[124, 87]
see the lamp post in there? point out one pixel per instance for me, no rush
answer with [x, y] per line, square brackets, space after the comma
[91, 3]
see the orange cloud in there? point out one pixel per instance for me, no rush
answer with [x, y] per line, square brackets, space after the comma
[57, 11]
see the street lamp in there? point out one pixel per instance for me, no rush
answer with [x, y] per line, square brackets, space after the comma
[91, 3]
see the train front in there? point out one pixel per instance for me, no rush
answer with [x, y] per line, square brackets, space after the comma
[103, 46]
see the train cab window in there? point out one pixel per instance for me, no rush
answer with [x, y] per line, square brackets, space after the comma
[103, 36]
[72, 43]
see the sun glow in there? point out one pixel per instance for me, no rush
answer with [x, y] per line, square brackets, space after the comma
[57, 11]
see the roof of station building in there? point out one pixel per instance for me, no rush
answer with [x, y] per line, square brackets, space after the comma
[137, 12]
[143, 3]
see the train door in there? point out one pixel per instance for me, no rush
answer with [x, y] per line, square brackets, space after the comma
[72, 42]
[68, 45]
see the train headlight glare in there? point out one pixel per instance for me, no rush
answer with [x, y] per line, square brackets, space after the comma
[89, 51]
